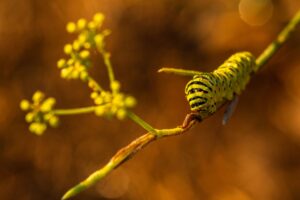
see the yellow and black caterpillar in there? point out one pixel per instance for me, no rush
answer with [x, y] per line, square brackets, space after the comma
[208, 90]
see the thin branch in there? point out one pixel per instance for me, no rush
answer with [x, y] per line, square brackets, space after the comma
[140, 122]
[95, 84]
[74, 111]
[282, 37]
[107, 62]
[125, 154]
[181, 72]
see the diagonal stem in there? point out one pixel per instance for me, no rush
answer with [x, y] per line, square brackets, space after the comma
[123, 155]
[141, 122]
[278, 42]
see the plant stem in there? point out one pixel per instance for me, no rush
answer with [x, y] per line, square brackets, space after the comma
[123, 155]
[277, 43]
[91, 180]
[96, 84]
[182, 72]
[74, 111]
[141, 122]
[107, 62]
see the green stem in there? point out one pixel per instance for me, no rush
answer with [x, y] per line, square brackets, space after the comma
[141, 122]
[74, 111]
[91, 180]
[96, 84]
[277, 43]
[107, 62]
[182, 72]
[123, 155]
[108, 65]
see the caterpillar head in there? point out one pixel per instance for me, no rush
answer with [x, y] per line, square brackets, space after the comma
[199, 93]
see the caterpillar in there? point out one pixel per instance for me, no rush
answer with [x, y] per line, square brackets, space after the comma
[208, 90]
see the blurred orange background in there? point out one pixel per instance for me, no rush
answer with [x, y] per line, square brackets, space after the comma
[255, 157]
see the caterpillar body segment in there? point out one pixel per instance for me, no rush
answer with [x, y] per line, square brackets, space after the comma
[208, 90]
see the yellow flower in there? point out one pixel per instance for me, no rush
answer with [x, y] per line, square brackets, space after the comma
[68, 49]
[24, 105]
[115, 86]
[98, 18]
[61, 63]
[38, 96]
[71, 27]
[121, 114]
[130, 102]
[84, 54]
[81, 24]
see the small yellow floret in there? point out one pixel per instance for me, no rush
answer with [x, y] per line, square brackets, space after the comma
[64, 73]
[94, 95]
[38, 96]
[87, 45]
[76, 45]
[115, 86]
[100, 110]
[98, 19]
[82, 38]
[130, 101]
[53, 121]
[37, 128]
[98, 39]
[24, 105]
[71, 27]
[61, 63]
[48, 104]
[75, 74]
[70, 61]
[121, 114]
[84, 54]
[84, 75]
[92, 25]
[81, 24]
[29, 117]
[68, 49]
[98, 100]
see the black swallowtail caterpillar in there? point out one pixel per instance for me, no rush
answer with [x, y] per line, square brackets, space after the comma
[208, 90]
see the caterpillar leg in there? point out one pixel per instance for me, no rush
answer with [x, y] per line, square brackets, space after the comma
[190, 117]
[230, 109]
[182, 72]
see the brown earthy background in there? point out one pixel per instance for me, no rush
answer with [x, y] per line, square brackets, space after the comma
[255, 157]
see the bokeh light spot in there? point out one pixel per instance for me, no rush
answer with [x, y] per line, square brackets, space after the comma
[255, 12]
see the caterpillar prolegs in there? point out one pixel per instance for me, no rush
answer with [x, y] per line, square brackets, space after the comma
[208, 90]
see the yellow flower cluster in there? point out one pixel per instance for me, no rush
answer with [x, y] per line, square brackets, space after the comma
[40, 112]
[108, 103]
[112, 103]
[89, 36]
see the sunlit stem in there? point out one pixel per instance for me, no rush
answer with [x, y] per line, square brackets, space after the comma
[107, 62]
[74, 111]
[123, 155]
[91, 180]
[96, 84]
[278, 42]
[141, 122]
[182, 72]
